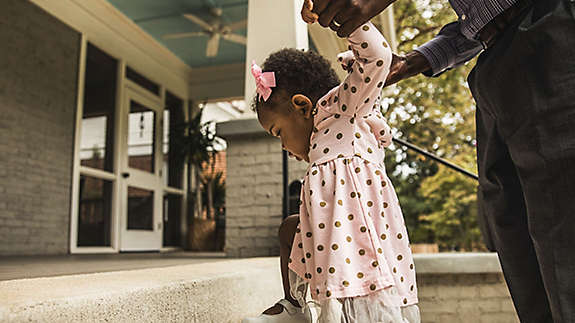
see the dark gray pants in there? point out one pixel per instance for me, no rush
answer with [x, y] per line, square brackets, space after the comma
[524, 87]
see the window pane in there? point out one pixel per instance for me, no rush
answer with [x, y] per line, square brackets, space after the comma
[140, 209]
[95, 212]
[97, 137]
[173, 166]
[142, 129]
[172, 219]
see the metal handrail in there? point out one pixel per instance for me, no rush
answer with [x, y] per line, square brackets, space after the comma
[436, 158]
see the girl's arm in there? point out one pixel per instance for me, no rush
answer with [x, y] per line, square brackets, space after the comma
[371, 57]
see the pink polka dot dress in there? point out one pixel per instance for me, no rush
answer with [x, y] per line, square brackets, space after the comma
[351, 240]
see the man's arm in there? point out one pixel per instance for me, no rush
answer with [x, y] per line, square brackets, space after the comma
[447, 50]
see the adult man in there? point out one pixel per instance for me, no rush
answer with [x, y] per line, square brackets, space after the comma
[524, 86]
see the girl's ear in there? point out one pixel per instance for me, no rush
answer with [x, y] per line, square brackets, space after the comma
[302, 104]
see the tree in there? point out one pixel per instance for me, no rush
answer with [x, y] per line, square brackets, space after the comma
[452, 216]
[437, 114]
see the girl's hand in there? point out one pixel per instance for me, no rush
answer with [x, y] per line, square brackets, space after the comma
[306, 13]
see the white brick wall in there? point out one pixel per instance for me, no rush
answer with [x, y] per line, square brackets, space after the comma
[481, 298]
[254, 194]
[38, 64]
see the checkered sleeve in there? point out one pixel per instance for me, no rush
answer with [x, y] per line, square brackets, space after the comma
[449, 49]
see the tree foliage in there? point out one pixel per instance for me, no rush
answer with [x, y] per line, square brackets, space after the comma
[437, 114]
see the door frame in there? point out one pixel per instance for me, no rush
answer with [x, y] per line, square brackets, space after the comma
[140, 240]
[78, 170]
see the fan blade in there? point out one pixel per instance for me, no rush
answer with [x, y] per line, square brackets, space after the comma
[238, 25]
[235, 38]
[185, 35]
[213, 45]
[199, 21]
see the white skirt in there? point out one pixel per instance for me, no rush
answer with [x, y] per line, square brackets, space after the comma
[372, 308]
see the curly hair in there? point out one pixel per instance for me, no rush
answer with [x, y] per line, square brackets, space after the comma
[299, 72]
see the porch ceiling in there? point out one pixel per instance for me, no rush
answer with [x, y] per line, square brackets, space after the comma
[220, 77]
[160, 18]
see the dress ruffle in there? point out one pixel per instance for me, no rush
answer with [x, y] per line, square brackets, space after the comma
[374, 307]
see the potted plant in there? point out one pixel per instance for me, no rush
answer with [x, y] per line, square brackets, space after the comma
[195, 145]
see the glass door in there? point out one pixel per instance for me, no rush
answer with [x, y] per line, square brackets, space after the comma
[142, 186]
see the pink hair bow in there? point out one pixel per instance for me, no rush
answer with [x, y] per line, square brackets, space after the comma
[264, 81]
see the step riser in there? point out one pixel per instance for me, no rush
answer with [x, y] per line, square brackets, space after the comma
[225, 297]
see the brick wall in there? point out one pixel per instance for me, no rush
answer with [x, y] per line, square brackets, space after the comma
[477, 298]
[254, 194]
[38, 64]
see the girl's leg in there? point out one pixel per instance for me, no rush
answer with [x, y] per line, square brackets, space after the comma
[286, 235]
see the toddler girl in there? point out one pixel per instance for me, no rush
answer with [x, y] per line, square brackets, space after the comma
[351, 246]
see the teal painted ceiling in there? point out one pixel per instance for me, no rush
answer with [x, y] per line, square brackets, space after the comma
[163, 17]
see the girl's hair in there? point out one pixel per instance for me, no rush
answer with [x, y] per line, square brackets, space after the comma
[298, 72]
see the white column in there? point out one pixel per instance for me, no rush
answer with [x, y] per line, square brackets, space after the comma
[272, 25]
[388, 25]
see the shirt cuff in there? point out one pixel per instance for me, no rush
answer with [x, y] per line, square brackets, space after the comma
[440, 54]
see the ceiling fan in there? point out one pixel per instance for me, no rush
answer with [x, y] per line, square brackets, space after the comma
[215, 30]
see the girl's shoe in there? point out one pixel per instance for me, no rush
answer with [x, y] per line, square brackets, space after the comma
[290, 314]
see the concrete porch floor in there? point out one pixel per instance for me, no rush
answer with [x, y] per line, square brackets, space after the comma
[50, 266]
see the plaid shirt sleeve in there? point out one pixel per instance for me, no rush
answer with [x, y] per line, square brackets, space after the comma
[449, 49]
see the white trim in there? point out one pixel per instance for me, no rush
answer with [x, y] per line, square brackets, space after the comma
[92, 250]
[118, 130]
[135, 87]
[170, 249]
[78, 169]
[172, 190]
[457, 263]
[98, 173]
[117, 35]
[218, 83]
[77, 138]
[141, 240]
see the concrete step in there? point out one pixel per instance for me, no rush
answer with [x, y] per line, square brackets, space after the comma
[220, 291]
[453, 287]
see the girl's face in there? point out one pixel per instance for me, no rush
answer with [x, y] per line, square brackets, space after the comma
[291, 120]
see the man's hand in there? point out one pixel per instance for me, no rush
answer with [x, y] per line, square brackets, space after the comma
[403, 67]
[344, 16]
[306, 12]
[397, 70]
